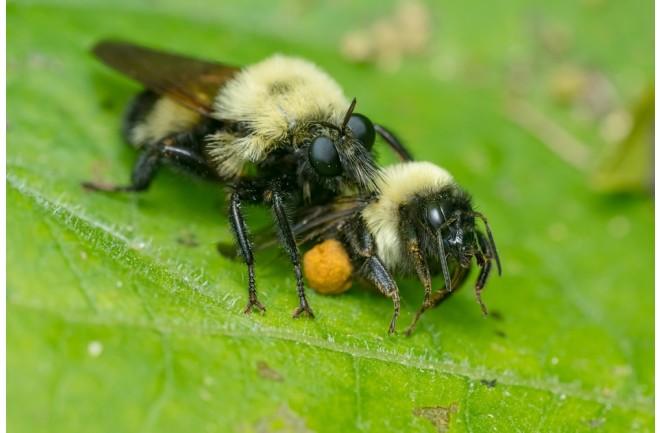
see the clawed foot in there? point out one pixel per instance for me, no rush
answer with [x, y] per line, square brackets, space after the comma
[254, 303]
[484, 310]
[392, 329]
[303, 308]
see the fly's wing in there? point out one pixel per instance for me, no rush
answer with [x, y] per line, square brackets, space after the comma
[325, 221]
[313, 224]
[191, 82]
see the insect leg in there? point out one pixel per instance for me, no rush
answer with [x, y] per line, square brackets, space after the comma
[421, 266]
[362, 245]
[459, 277]
[241, 234]
[486, 259]
[285, 232]
[393, 142]
[479, 285]
[492, 249]
[177, 150]
[376, 273]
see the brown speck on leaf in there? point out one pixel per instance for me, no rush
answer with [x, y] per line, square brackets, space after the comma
[439, 416]
[500, 333]
[267, 372]
[489, 383]
[596, 422]
[187, 239]
[496, 314]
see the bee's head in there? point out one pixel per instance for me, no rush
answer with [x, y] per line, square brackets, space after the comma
[339, 156]
[452, 219]
[449, 217]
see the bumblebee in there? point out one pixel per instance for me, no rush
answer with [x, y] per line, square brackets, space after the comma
[420, 222]
[279, 132]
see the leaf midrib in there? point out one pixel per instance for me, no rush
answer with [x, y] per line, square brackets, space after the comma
[73, 219]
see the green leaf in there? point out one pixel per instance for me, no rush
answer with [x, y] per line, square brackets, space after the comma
[122, 317]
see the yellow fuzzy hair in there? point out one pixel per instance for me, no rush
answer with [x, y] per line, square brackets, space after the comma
[165, 118]
[398, 185]
[271, 97]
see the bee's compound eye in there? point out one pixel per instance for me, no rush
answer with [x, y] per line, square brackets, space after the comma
[324, 157]
[363, 129]
[434, 215]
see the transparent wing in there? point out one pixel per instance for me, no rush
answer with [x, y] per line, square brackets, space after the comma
[194, 83]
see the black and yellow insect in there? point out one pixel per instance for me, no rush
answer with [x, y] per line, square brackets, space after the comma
[279, 132]
[419, 222]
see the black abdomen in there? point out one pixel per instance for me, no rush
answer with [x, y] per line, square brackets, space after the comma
[136, 112]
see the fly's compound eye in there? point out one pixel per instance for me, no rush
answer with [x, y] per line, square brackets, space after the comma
[363, 129]
[434, 215]
[324, 157]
